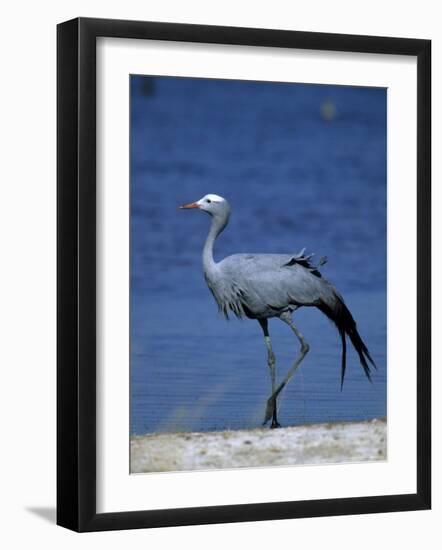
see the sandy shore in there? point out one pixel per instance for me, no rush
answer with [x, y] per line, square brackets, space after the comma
[309, 444]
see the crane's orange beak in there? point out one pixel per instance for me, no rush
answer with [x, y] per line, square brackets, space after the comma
[190, 205]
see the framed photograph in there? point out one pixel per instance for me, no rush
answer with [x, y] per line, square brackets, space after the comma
[243, 274]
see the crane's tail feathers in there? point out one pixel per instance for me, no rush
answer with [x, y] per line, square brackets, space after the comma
[344, 355]
[342, 318]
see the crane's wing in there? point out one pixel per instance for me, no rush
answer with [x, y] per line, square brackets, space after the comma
[305, 261]
[265, 284]
[279, 288]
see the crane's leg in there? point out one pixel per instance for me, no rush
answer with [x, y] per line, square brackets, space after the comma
[272, 366]
[271, 403]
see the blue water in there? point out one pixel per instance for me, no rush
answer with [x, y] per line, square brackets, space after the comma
[301, 165]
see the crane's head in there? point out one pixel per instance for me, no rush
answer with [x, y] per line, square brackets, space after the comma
[214, 205]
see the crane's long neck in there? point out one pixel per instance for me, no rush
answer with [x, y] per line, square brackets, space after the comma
[217, 226]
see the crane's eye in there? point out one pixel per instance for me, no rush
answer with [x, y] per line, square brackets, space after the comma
[208, 200]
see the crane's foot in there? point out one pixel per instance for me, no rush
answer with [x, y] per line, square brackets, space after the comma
[275, 424]
[270, 412]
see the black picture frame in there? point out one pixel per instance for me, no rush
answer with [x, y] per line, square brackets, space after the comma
[76, 274]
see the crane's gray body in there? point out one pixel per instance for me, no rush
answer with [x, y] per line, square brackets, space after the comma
[261, 286]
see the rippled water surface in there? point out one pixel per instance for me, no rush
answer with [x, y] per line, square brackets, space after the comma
[302, 166]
